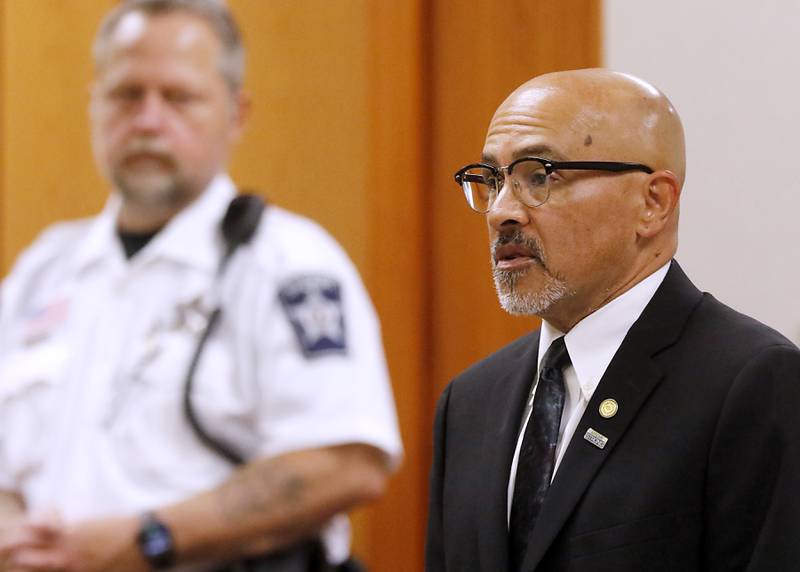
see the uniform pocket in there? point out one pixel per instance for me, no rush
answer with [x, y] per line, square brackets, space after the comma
[30, 379]
[149, 429]
[24, 369]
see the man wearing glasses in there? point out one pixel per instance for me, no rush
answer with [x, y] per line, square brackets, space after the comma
[646, 426]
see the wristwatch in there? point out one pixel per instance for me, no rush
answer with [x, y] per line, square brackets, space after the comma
[155, 541]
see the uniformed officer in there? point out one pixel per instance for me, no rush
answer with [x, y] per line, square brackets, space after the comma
[99, 467]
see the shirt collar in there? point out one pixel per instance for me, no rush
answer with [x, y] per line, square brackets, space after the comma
[100, 242]
[594, 340]
[190, 238]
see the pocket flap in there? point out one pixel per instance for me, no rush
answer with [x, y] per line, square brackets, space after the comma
[641, 530]
[27, 368]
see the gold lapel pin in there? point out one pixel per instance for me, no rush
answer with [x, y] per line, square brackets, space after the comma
[609, 408]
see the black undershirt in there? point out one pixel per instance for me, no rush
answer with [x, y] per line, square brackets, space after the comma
[133, 242]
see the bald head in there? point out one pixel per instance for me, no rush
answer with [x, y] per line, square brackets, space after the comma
[610, 114]
[599, 230]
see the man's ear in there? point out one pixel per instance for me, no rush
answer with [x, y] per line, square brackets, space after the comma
[660, 204]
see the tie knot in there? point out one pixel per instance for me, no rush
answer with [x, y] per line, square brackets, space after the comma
[557, 356]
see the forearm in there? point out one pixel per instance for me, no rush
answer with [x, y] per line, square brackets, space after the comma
[272, 503]
[12, 509]
[11, 505]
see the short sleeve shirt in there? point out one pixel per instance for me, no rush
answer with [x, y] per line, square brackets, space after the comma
[94, 351]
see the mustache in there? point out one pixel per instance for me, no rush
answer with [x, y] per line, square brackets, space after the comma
[152, 147]
[517, 238]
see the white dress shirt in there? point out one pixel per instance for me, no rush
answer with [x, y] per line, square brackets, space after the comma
[591, 344]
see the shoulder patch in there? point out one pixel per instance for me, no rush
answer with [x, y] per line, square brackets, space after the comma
[313, 305]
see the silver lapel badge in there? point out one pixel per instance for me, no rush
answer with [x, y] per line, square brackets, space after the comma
[597, 439]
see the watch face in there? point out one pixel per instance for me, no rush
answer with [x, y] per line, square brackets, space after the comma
[155, 542]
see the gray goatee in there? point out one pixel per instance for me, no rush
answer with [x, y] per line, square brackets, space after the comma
[505, 281]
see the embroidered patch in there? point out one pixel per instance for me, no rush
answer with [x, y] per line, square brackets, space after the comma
[313, 305]
[42, 321]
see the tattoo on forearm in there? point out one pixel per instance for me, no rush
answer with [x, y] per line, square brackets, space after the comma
[260, 490]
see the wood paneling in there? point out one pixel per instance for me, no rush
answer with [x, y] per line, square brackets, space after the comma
[307, 142]
[48, 170]
[395, 536]
[482, 51]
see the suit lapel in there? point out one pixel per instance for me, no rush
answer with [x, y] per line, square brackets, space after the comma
[629, 382]
[504, 413]
[630, 378]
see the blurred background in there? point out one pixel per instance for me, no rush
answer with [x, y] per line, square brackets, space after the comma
[362, 111]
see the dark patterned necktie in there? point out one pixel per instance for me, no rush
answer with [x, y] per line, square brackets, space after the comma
[537, 454]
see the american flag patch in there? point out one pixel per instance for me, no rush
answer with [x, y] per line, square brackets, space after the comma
[41, 322]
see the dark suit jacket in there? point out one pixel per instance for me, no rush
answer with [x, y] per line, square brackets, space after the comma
[701, 470]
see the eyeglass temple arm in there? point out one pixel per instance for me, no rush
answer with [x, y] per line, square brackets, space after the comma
[613, 166]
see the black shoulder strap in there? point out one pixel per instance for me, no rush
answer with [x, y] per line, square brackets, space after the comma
[238, 227]
[240, 223]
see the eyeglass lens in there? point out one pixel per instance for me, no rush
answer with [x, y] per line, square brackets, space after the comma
[529, 182]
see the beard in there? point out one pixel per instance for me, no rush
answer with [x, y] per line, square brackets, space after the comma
[149, 176]
[506, 282]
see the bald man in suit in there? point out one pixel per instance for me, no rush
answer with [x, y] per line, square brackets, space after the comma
[645, 426]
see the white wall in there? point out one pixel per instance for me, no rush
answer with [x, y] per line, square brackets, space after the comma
[732, 69]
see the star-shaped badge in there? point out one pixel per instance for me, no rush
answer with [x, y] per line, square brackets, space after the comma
[313, 305]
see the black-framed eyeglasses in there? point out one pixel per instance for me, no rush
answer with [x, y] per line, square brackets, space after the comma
[529, 178]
